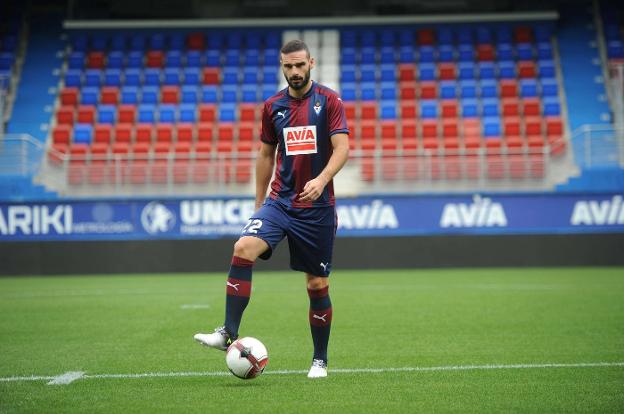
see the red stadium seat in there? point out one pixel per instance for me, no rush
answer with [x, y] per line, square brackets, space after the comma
[450, 128]
[143, 132]
[508, 88]
[531, 107]
[511, 126]
[248, 112]
[170, 94]
[407, 72]
[407, 91]
[78, 157]
[533, 126]
[428, 90]
[123, 132]
[154, 59]
[409, 110]
[207, 112]
[245, 131]
[61, 134]
[526, 69]
[368, 110]
[351, 110]
[205, 131]
[554, 127]
[495, 163]
[211, 76]
[69, 96]
[86, 114]
[109, 95]
[367, 130]
[448, 108]
[57, 153]
[425, 37]
[164, 133]
[429, 128]
[243, 170]
[523, 34]
[510, 107]
[195, 41]
[98, 168]
[184, 132]
[409, 129]
[447, 71]
[126, 113]
[388, 130]
[225, 132]
[103, 133]
[485, 52]
[65, 115]
[95, 60]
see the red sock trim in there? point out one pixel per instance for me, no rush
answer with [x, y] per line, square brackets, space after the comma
[240, 262]
[237, 287]
[318, 293]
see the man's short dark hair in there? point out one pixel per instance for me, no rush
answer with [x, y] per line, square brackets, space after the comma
[294, 46]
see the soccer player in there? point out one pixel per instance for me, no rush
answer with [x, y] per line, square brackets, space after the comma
[305, 126]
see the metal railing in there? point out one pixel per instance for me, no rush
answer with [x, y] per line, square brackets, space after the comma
[20, 155]
[599, 146]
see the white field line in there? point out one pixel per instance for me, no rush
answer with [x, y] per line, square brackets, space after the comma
[72, 376]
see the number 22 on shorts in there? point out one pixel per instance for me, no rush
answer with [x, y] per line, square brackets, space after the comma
[252, 226]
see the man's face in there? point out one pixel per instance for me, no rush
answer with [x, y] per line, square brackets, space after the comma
[296, 67]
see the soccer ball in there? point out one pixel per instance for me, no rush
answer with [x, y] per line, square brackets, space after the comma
[246, 358]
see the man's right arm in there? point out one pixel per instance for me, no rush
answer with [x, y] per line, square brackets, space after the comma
[264, 171]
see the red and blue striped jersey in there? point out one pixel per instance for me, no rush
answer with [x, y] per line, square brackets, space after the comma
[302, 130]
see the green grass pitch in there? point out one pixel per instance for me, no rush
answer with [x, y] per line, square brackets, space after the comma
[533, 328]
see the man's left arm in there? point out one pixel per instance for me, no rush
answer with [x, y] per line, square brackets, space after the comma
[314, 188]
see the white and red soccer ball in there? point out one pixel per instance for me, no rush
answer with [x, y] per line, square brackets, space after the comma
[246, 358]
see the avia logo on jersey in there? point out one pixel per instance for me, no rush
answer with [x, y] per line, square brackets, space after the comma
[300, 140]
[375, 215]
[28, 220]
[480, 213]
[598, 213]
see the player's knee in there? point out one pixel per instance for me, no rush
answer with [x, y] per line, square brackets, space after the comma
[317, 282]
[246, 249]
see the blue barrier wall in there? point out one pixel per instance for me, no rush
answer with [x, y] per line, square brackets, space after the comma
[473, 214]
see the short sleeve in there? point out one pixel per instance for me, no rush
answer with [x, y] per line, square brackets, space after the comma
[337, 119]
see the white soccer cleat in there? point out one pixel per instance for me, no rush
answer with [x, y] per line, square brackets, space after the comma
[219, 339]
[318, 369]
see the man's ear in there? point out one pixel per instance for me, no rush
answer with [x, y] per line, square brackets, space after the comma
[312, 62]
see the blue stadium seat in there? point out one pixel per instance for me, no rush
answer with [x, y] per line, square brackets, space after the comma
[156, 41]
[76, 60]
[348, 92]
[368, 91]
[466, 53]
[250, 75]
[448, 89]
[176, 42]
[193, 59]
[191, 76]
[209, 94]
[347, 74]
[115, 59]
[347, 56]
[446, 53]
[550, 87]
[173, 59]
[167, 113]
[528, 88]
[250, 93]
[151, 76]
[253, 40]
[491, 127]
[273, 40]
[484, 36]
[368, 73]
[269, 75]
[137, 42]
[552, 107]
[271, 57]
[506, 70]
[428, 108]
[406, 38]
[171, 76]
[388, 91]
[543, 33]
[468, 88]
[503, 34]
[368, 55]
[129, 95]
[112, 77]
[134, 59]
[106, 114]
[387, 55]
[227, 113]
[546, 69]
[215, 40]
[407, 54]
[150, 94]
[83, 133]
[544, 51]
[118, 42]
[368, 37]
[388, 73]
[99, 42]
[89, 95]
[470, 108]
[251, 58]
[486, 70]
[73, 77]
[427, 72]
[132, 77]
[387, 38]
[268, 90]
[234, 40]
[229, 93]
[466, 70]
[79, 42]
[445, 37]
[490, 107]
[505, 51]
[524, 51]
[232, 57]
[388, 109]
[464, 36]
[146, 113]
[348, 39]
[488, 88]
[213, 58]
[190, 93]
[426, 54]
[93, 77]
[229, 76]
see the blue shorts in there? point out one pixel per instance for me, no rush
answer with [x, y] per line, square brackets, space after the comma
[310, 233]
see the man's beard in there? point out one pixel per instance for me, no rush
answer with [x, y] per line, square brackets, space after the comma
[301, 84]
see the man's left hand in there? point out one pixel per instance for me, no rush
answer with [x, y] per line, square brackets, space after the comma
[313, 189]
